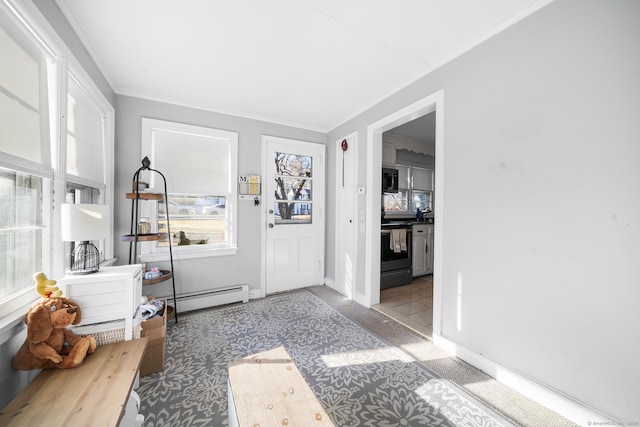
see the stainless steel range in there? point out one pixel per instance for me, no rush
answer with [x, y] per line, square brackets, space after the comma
[395, 254]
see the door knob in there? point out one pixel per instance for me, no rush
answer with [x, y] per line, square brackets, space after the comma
[270, 225]
[270, 211]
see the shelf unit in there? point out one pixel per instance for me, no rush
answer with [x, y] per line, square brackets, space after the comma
[134, 238]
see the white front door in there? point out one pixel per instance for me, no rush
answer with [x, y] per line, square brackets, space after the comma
[346, 220]
[294, 206]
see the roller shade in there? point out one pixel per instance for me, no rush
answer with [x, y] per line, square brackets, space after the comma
[85, 135]
[23, 117]
[192, 164]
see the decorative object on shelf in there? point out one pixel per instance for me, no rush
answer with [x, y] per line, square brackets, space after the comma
[49, 344]
[144, 226]
[83, 223]
[141, 229]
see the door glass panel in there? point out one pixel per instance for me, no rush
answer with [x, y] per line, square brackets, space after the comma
[293, 189]
[293, 165]
[293, 179]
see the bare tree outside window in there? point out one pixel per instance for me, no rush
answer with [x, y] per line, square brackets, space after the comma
[293, 176]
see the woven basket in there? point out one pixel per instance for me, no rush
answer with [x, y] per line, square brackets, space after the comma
[106, 333]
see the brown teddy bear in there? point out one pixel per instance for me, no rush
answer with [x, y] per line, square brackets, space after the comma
[49, 343]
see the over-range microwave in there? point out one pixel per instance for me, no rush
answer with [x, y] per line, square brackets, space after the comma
[389, 180]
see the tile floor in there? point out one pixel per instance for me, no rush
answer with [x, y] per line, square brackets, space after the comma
[411, 305]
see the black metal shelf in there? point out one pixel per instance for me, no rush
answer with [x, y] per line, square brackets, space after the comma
[134, 237]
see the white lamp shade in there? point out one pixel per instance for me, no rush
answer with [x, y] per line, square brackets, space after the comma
[83, 222]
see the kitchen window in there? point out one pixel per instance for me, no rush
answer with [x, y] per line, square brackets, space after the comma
[200, 167]
[415, 191]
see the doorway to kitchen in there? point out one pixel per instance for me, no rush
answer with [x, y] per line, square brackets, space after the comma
[371, 297]
[406, 294]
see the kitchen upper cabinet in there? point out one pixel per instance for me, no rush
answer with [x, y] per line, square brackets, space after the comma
[388, 154]
[422, 179]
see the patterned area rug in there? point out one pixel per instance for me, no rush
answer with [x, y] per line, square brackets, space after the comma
[358, 378]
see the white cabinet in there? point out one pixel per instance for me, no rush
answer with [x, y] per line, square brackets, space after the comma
[388, 154]
[422, 249]
[113, 293]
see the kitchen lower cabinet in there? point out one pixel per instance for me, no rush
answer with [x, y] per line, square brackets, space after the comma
[422, 249]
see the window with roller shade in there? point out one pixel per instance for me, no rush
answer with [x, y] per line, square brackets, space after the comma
[56, 146]
[26, 171]
[200, 168]
[86, 148]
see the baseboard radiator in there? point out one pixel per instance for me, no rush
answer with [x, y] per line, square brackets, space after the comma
[212, 298]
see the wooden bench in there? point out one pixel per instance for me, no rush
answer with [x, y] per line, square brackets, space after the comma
[266, 389]
[93, 394]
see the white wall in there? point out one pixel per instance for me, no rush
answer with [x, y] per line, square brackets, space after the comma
[206, 273]
[541, 200]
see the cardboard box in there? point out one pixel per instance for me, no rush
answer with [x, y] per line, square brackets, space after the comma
[156, 331]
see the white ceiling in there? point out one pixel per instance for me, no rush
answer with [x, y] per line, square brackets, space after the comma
[307, 63]
[423, 129]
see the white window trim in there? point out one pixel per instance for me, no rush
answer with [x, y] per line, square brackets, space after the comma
[149, 252]
[26, 15]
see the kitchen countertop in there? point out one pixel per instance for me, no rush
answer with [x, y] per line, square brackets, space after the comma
[406, 221]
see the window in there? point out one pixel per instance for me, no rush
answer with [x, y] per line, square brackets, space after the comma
[294, 178]
[25, 162]
[415, 191]
[21, 231]
[396, 202]
[56, 146]
[77, 193]
[86, 137]
[200, 167]
[87, 155]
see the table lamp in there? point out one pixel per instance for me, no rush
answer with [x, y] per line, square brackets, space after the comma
[83, 223]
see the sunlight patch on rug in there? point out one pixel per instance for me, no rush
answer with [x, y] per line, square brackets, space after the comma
[360, 357]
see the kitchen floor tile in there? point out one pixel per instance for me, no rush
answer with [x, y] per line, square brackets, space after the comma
[411, 304]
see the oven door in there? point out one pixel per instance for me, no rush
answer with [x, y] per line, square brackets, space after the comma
[391, 260]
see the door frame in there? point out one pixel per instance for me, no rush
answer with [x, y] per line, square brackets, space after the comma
[429, 104]
[352, 140]
[263, 204]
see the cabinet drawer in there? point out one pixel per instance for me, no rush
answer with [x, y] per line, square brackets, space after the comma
[102, 307]
[98, 287]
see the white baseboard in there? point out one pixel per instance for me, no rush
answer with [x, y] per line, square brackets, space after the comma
[555, 400]
[211, 298]
[255, 293]
[330, 282]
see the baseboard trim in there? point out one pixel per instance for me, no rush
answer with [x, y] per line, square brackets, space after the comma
[568, 407]
[330, 283]
[211, 298]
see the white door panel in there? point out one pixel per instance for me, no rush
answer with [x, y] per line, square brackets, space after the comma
[346, 219]
[294, 202]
